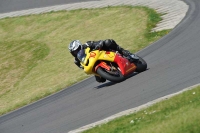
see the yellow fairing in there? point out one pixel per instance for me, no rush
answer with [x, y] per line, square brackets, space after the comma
[93, 56]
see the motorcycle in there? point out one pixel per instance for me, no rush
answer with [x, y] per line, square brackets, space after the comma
[110, 65]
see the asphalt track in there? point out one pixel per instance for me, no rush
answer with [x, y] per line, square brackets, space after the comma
[17, 5]
[173, 62]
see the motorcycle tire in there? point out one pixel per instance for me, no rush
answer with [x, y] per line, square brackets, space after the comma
[141, 65]
[110, 77]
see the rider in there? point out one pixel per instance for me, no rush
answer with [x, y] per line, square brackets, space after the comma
[106, 45]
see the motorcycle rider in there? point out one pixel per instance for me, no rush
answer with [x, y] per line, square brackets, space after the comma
[108, 44]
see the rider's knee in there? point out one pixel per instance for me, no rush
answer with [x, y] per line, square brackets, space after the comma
[100, 79]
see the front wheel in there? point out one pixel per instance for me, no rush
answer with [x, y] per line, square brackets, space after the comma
[114, 76]
[141, 65]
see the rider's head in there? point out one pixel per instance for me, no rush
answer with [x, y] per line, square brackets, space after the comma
[74, 47]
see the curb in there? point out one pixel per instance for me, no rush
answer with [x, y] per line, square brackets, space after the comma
[130, 111]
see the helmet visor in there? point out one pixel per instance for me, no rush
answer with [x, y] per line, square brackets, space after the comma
[75, 52]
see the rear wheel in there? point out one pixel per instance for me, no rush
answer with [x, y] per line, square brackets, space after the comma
[114, 75]
[141, 65]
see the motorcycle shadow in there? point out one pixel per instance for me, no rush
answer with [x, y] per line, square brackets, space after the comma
[109, 83]
[106, 84]
[131, 75]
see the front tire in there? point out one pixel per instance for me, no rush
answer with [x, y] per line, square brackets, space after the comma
[110, 77]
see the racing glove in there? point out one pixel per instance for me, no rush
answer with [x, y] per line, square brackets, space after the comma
[81, 67]
[77, 62]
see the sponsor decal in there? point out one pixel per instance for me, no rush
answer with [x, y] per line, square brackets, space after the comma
[92, 55]
[108, 55]
[130, 69]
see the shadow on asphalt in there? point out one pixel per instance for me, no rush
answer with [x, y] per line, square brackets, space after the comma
[109, 83]
[105, 85]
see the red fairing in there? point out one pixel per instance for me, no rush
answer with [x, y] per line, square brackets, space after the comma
[125, 66]
[103, 65]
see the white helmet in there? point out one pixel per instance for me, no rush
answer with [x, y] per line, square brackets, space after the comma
[74, 45]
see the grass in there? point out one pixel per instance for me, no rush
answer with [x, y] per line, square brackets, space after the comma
[35, 61]
[179, 114]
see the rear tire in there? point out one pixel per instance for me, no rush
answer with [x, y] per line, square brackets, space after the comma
[113, 78]
[141, 65]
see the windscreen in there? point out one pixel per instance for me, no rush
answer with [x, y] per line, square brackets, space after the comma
[81, 55]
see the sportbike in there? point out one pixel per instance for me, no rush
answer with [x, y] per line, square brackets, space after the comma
[109, 64]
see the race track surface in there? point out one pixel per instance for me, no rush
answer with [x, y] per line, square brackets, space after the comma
[173, 62]
[17, 5]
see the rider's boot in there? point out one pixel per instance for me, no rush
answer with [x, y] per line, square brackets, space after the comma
[134, 58]
[131, 57]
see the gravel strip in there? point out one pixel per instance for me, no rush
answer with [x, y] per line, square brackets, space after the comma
[130, 111]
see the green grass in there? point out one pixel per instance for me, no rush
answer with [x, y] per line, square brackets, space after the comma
[179, 114]
[35, 61]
